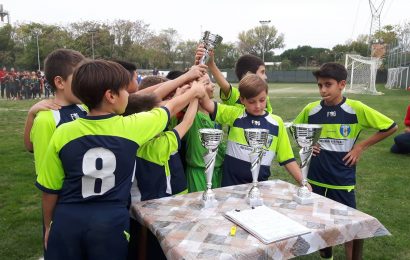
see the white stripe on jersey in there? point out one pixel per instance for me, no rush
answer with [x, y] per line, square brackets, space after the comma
[336, 145]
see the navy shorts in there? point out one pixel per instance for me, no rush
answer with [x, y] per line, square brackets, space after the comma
[345, 197]
[88, 232]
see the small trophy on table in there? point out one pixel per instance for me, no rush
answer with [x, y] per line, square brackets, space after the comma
[257, 139]
[210, 139]
[210, 41]
[306, 136]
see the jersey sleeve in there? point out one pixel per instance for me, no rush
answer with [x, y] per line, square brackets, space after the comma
[40, 135]
[159, 149]
[303, 116]
[232, 98]
[148, 124]
[283, 149]
[371, 118]
[51, 173]
[407, 118]
[226, 114]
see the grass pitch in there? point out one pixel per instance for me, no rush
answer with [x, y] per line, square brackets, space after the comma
[382, 177]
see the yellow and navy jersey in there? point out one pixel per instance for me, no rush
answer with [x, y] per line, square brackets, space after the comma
[159, 170]
[237, 162]
[46, 123]
[92, 159]
[234, 100]
[341, 126]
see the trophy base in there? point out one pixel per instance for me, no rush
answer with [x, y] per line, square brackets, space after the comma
[209, 203]
[302, 200]
[255, 202]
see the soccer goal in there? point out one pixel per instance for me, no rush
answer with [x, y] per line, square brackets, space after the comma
[361, 74]
[397, 78]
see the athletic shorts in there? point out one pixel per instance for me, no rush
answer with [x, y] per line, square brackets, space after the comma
[345, 197]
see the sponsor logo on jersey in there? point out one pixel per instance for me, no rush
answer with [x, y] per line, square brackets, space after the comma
[345, 130]
[256, 122]
[74, 116]
[331, 114]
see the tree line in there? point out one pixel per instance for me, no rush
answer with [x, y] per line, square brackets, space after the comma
[135, 41]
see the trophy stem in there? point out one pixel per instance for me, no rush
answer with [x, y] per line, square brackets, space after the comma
[254, 195]
[208, 197]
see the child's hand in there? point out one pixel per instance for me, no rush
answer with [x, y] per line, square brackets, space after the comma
[182, 90]
[199, 89]
[43, 105]
[46, 234]
[200, 51]
[407, 129]
[353, 157]
[195, 72]
[315, 150]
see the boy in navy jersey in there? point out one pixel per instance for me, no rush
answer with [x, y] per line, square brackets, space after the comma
[89, 165]
[332, 171]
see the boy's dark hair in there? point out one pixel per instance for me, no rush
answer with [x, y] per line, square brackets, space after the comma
[92, 79]
[173, 74]
[252, 85]
[61, 62]
[331, 70]
[131, 67]
[247, 63]
[140, 103]
[150, 81]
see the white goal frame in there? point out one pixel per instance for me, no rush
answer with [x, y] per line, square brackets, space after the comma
[395, 78]
[361, 74]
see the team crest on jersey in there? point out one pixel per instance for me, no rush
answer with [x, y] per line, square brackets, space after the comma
[345, 130]
[269, 141]
[74, 116]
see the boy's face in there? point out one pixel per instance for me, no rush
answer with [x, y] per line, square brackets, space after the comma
[331, 90]
[256, 105]
[122, 101]
[261, 72]
[208, 84]
[133, 86]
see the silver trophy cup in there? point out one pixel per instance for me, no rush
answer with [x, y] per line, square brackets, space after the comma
[306, 136]
[257, 139]
[210, 139]
[210, 41]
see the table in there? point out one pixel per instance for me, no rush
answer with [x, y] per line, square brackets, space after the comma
[187, 231]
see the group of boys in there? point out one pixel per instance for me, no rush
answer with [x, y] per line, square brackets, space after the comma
[87, 156]
[22, 85]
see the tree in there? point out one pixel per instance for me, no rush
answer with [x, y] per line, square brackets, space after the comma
[388, 34]
[260, 41]
[6, 46]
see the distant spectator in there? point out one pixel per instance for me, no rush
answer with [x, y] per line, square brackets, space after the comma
[155, 71]
[402, 141]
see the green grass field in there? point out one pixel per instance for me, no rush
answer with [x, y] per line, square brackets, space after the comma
[382, 177]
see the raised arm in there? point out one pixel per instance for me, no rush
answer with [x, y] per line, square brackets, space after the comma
[176, 104]
[218, 76]
[183, 127]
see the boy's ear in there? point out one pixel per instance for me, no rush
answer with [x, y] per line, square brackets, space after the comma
[342, 84]
[110, 96]
[59, 82]
[242, 99]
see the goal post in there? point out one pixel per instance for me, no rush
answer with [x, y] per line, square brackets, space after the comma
[361, 74]
[397, 78]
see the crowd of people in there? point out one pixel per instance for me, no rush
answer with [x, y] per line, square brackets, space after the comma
[109, 137]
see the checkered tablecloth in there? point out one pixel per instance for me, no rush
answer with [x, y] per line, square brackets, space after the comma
[187, 231]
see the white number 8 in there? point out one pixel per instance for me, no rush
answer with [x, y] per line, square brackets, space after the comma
[98, 167]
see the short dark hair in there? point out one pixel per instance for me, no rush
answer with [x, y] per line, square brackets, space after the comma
[61, 62]
[140, 103]
[150, 81]
[131, 67]
[247, 63]
[331, 70]
[173, 74]
[252, 85]
[93, 78]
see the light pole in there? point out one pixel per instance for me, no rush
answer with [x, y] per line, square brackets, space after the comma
[264, 25]
[36, 33]
[92, 40]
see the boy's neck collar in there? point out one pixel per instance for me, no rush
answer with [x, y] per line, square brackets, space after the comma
[338, 104]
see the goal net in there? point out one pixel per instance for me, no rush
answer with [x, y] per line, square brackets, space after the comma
[361, 74]
[397, 78]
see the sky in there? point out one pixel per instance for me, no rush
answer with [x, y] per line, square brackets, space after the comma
[318, 23]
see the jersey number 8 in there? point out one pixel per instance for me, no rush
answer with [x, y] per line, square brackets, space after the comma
[98, 167]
